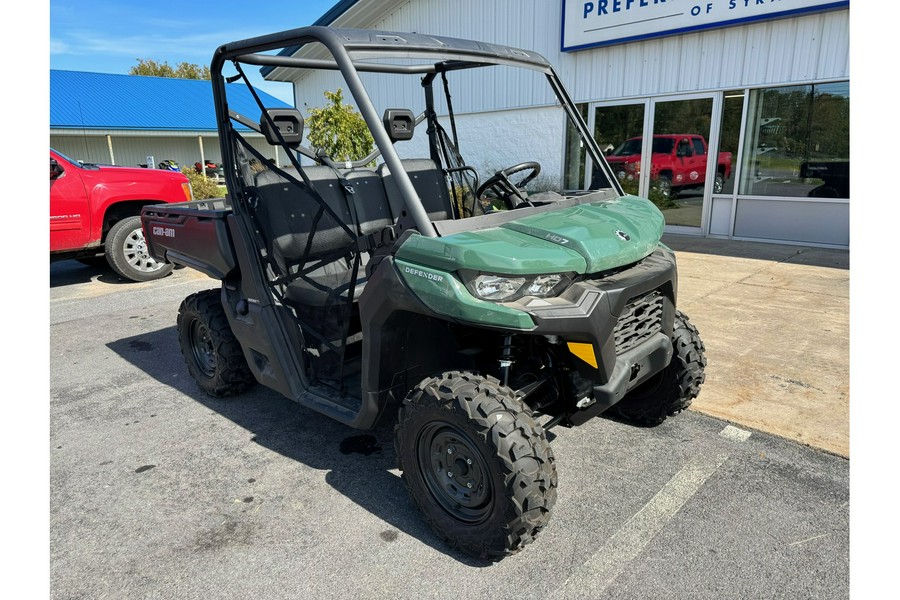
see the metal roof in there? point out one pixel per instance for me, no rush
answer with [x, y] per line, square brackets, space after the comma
[82, 100]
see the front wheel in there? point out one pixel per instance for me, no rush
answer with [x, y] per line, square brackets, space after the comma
[672, 390]
[664, 185]
[126, 252]
[213, 355]
[475, 463]
[719, 183]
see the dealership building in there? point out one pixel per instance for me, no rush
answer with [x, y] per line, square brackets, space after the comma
[733, 115]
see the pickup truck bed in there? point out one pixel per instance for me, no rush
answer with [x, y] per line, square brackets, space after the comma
[194, 234]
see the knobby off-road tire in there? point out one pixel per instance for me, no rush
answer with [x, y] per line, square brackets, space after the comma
[213, 355]
[126, 252]
[475, 463]
[673, 390]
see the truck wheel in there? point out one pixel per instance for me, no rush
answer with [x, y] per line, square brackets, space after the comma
[664, 185]
[213, 355]
[673, 390]
[475, 463]
[719, 183]
[126, 252]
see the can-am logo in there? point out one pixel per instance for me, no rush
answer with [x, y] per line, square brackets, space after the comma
[424, 274]
[164, 231]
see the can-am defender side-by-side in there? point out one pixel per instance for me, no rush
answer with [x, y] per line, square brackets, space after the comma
[474, 310]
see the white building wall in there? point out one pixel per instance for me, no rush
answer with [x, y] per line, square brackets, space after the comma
[501, 139]
[784, 51]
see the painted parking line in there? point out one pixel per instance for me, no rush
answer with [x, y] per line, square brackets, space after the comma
[734, 433]
[604, 566]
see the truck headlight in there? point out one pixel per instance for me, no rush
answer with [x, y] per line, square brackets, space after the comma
[502, 288]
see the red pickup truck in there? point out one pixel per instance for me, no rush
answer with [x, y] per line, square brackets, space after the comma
[96, 209]
[678, 161]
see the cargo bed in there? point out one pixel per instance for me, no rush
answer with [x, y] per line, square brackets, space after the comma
[194, 234]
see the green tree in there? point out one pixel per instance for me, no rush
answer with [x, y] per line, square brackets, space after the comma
[182, 70]
[338, 129]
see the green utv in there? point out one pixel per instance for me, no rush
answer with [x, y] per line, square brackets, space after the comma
[476, 312]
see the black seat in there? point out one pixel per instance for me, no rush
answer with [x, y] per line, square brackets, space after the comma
[429, 183]
[287, 212]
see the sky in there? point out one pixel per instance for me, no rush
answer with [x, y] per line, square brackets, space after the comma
[105, 36]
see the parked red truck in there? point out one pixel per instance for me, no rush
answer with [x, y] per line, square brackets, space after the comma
[96, 208]
[678, 162]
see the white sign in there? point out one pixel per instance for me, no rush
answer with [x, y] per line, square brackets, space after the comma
[151, 164]
[591, 23]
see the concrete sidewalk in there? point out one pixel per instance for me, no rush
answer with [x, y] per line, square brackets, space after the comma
[776, 324]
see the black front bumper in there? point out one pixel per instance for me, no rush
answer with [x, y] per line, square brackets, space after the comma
[589, 312]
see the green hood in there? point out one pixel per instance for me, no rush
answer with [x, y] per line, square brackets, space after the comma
[582, 239]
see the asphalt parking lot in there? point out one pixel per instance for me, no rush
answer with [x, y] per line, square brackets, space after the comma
[157, 491]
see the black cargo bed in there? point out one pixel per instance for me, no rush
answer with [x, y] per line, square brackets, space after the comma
[194, 234]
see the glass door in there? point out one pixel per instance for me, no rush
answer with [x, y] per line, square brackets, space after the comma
[680, 159]
[659, 149]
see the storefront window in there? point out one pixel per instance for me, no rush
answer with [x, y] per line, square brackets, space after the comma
[798, 142]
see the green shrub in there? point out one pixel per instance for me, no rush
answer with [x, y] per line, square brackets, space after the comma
[203, 187]
[339, 129]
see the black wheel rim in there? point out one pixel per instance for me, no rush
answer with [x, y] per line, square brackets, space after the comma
[202, 348]
[455, 472]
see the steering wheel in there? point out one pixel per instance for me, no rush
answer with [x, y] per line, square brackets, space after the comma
[512, 193]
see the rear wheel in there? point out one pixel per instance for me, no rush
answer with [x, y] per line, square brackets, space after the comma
[475, 463]
[212, 353]
[126, 252]
[672, 390]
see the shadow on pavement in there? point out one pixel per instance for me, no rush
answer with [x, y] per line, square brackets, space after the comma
[801, 255]
[359, 464]
[71, 272]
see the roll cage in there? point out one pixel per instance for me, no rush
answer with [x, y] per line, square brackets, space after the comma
[351, 52]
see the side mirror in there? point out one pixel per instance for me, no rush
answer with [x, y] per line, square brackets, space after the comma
[287, 121]
[400, 123]
[55, 169]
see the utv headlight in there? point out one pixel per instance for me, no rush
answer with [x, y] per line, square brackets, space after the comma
[542, 285]
[501, 288]
[496, 287]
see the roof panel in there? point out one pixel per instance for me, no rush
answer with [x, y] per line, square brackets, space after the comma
[85, 100]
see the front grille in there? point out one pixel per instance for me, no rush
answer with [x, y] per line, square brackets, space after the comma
[640, 319]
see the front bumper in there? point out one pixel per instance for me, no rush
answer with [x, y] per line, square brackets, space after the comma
[594, 310]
